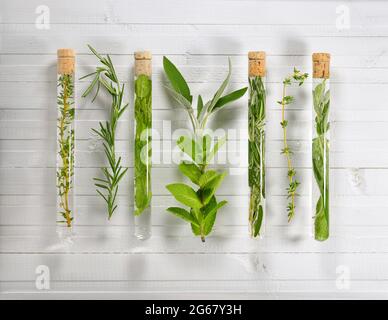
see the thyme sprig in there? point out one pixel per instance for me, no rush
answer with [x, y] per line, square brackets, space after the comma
[65, 170]
[299, 78]
[105, 76]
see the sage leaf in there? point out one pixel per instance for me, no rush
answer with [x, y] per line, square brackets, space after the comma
[177, 81]
[320, 159]
[235, 95]
[221, 89]
[199, 106]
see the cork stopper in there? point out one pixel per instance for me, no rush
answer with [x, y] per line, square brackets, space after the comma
[256, 63]
[321, 65]
[143, 63]
[66, 61]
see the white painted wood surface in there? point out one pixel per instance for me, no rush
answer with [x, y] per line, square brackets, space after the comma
[102, 259]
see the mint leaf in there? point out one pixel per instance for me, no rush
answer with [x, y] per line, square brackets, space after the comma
[184, 194]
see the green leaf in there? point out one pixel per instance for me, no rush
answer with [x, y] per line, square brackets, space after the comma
[191, 148]
[215, 183]
[235, 95]
[206, 177]
[221, 89]
[258, 221]
[176, 79]
[205, 146]
[182, 101]
[199, 106]
[196, 229]
[217, 146]
[210, 188]
[91, 86]
[211, 217]
[183, 214]
[191, 171]
[143, 86]
[185, 194]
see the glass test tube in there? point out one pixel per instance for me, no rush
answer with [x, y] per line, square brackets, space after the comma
[65, 137]
[256, 143]
[143, 144]
[320, 145]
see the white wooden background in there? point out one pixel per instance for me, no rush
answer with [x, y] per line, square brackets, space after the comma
[103, 259]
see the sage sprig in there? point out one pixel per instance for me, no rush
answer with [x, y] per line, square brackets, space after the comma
[105, 77]
[320, 158]
[202, 203]
[256, 154]
[65, 143]
[286, 100]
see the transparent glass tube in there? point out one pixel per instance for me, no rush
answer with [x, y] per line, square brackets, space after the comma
[256, 155]
[320, 158]
[65, 149]
[143, 145]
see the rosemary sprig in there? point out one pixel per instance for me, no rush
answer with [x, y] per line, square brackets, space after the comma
[299, 78]
[256, 172]
[106, 77]
[65, 171]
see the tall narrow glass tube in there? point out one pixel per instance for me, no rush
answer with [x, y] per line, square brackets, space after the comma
[256, 143]
[320, 145]
[143, 141]
[65, 137]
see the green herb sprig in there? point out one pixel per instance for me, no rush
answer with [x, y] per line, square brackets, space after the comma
[299, 78]
[320, 157]
[202, 203]
[256, 153]
[143, 118]
[65, 171]
[105, 76]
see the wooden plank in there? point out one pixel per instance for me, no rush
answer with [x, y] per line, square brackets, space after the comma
[261, 290]
[188, 267]
[167, 44]
[199, 12]
[42, 95]
[212, 74]
[179, 240]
